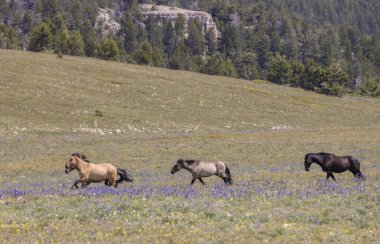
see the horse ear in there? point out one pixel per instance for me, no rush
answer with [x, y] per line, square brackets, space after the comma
[76, 158]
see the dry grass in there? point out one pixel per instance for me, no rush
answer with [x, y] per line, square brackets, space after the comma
[143, 119]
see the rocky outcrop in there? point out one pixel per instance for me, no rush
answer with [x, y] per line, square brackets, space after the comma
[171, 13]
[105, 23]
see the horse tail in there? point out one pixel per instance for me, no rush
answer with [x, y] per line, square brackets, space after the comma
[356, 164]
[229, 177]
[123, 176]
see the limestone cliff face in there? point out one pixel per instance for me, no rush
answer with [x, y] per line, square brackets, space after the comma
[105, 23]
[172, 14]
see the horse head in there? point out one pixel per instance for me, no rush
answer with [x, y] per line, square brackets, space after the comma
[71, 163]
[177, 166]
[308, 162]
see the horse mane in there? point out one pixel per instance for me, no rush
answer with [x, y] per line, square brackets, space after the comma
[325, 154]
[81, 156]
[190, 161]
[320, 153]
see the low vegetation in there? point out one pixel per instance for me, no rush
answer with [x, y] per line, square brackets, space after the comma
[143, 119]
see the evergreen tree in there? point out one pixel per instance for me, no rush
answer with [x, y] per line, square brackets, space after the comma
[290, 47]
[195, 37]
[211, 41]
[179, 29]
[108, 49]
[158, 57]
[8, 38]
[128, 31]
[144, 54]
[75, 44]
[49, 8]
[169, 38]
[216, 65]
[154, 31]
[328, 45]
[280, 71]
[230, 42]
[27, 23]
[182, 59]
[89, 39]
[60, 34]
[41, 38]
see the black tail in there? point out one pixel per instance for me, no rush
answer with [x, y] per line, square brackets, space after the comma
[123, 176]
[356, 164]
[229, 177]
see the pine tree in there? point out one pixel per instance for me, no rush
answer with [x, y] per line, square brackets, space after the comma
[169, 38]
[108, 49]
[60, 34]
[41, 38]
[195, 37]
[27, 23]
[211, 41]
[230, 42]
[154, 32]
[216, 65]
[182, 59]
[179, 29]
[128, 31]
[144, 53]
[280, 71]
[75, 44]
[8, 38]
[89, 39]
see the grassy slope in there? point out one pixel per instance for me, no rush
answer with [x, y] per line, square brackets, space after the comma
[40, 92]
[157, 116]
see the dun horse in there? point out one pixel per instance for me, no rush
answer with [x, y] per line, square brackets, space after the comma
[201, 169]
[334, 164]
[94, 173]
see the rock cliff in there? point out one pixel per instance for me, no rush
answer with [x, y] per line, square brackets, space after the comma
[171, 13]
[105, 22]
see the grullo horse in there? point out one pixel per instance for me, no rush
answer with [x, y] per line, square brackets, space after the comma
[201, 169]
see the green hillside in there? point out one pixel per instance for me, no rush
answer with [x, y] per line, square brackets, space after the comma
[143, 119]
[41, 93]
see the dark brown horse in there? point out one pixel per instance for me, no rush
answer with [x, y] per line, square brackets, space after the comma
[331, 163]
[201, 169]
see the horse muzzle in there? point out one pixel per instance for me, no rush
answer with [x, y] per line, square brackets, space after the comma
[172, 171]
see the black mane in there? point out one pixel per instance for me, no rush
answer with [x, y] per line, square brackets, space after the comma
[81, 156]
[325, 153]
[320, 153]
[190, 161]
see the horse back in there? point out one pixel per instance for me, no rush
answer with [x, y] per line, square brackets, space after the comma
[210, 168]
[103, 169]
[342, 163]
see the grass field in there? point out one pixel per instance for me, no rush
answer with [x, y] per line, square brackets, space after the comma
[143, 119]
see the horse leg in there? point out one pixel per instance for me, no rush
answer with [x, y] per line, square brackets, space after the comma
[327, 176]
[84, 182]
[75, 184]
[225, 180]
[201, 180]
[112, 182]
[107, 183]
[357, 174]
[332, 176]
[193, 180]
